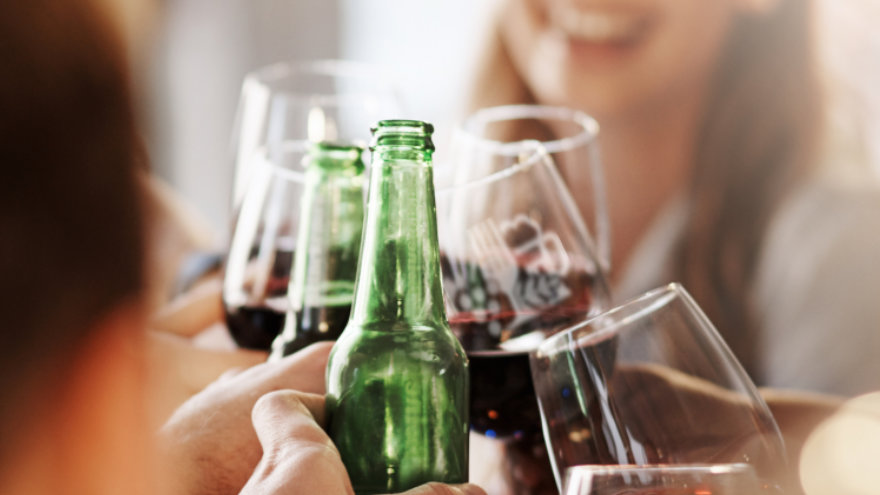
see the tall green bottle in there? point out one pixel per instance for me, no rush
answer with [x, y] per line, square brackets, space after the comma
[331, 222]
[397, 379]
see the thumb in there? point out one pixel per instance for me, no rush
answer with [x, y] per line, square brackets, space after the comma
[443, 489]
[287, 419]
[298, 457]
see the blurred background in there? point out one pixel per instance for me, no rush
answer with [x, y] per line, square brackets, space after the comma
[197, 52]
[191, 56]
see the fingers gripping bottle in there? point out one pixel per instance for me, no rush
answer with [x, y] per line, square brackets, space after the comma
[397, 379]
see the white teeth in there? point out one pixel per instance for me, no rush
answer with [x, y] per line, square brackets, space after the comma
[594, 26]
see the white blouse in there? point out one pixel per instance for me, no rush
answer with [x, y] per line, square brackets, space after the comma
[816, 292]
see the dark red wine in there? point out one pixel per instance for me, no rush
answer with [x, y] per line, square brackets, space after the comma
[254, 327]
[254, 323]
[503, 403]
[498, 326]
[315, 324]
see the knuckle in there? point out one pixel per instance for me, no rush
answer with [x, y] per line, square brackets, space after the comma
[436, 488]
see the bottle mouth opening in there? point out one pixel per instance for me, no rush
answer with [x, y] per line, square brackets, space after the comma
[403, 133]
[403, 126]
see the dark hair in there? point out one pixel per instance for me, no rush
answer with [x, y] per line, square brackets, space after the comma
[70, 214]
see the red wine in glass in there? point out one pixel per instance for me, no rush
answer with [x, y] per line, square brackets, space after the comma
[255, 322]
[499, 320]
[498, 331]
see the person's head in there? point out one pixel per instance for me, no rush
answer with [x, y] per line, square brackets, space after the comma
[71, 259]
[746, 65]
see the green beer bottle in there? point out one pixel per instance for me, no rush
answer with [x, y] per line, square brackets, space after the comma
[328, 240]
[397, 379]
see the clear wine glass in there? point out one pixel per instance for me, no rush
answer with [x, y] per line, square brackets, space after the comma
[670, 479]
[570, 138]
[518, 263]
[652, 382]
[260, 256]
[322, 100]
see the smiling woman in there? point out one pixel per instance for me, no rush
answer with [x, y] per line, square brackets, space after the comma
[712, 133]
[716, 152]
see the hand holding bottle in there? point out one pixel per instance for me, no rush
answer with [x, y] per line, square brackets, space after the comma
[298, 456]
[209, 444]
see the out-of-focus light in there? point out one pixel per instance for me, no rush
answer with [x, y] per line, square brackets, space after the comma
[317, 125]
[841, 456]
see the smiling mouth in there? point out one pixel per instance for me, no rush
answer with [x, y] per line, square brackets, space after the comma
[596, 26]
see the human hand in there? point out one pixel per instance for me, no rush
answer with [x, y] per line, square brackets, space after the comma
[298, 456]
[209, 444]
[188, 348]
[193, 311]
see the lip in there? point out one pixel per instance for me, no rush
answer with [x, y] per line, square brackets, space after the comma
[598, 33]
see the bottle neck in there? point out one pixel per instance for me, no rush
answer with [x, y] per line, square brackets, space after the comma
[399, 279]
[329, 232]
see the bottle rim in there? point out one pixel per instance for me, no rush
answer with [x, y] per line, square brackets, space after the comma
[402, 134]
[403, 126]
[350, 153]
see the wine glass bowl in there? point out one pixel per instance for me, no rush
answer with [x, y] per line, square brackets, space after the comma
[321, 100]
[283, 110]
[650, 382]
[517, 263]
[570, 138]
[670, 479]
[260, 257]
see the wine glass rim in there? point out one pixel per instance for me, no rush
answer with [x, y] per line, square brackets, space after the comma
[274, 74]
[732, 467]
[320, 67]
[633, 309]
[588, 134]
[288, 174]
[538, 154]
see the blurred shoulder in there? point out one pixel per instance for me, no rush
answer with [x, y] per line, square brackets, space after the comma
[816, 288]
[824, 218]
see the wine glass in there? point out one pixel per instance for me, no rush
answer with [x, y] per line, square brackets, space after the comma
[652, 382]
[670, 479]
[260, 257]
[322, 100]
[517, 263]
[568, 135]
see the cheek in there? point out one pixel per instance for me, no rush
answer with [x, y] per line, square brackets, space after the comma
[517, 25]
[680, 59]
[672, 62]
[689, 44]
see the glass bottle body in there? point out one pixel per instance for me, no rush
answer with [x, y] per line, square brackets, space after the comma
[397, 378]
[403, 392]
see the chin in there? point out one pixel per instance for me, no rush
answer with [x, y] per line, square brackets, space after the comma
[600, 97]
